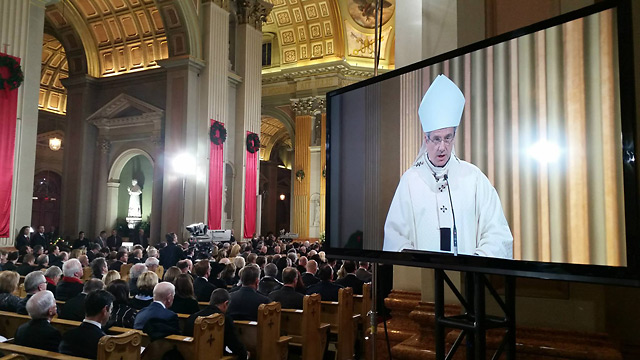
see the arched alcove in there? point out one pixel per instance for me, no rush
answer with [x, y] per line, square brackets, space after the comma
[130, 164]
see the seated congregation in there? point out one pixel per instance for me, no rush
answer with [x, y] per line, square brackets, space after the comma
[76, 297]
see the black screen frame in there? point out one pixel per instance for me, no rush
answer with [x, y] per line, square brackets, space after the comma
[626, 276]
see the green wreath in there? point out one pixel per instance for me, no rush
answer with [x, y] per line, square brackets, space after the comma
[217, 133]
[16, 76]
[253, 142]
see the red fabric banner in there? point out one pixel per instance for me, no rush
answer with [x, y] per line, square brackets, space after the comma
[8, 117]
[250, 193]
[216, 166]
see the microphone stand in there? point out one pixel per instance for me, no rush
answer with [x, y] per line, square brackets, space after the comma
[455, 231]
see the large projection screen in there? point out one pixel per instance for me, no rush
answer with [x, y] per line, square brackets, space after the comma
[548, 120]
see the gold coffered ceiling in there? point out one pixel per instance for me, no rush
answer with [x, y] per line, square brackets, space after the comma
[127, 35]
[272, 132]
[306, 30]
[53, 96]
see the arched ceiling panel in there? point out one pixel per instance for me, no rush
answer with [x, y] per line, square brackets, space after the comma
[272, 132]
[122, 36]
[53, 96]
[307, 31]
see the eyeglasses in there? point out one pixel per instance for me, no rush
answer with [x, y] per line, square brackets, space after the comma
[438, 140]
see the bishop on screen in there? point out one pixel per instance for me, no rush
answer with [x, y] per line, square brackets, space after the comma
[442, 203]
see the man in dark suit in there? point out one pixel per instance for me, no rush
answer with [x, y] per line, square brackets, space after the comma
[141, 238]
[73, 308]
[101, 240]
[38, 333]
[363, 272]
[33, 283]
[350, 279]
[328, 290]
[39, 238]
[136, 257]
[114, 241]
[54, 252]
[121, 258]
[309, 278]
[287, 295]
[172, 253]
[81, 241]
[83, 340]
[218, 304]
[27, 266]
[269, 282]
[245, 301]
[93, 251]
[202, 288]
[158, 310]
[70, 285]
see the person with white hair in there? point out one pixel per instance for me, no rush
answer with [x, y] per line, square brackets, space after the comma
[421, 215]
[34, 282]
[152, 263]
[71, 283]
[158, 312]
[52, 276]
[38, 333]
[134, 273]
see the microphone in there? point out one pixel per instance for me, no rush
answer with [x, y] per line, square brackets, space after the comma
[455, 231]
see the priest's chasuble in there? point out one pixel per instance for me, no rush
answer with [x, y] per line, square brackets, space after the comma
[421, 208]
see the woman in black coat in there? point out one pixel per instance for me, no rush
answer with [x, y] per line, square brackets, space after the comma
[185, 300]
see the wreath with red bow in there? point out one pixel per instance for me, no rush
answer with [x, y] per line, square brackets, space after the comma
[217, 133]
[253, 143]
[16, 76]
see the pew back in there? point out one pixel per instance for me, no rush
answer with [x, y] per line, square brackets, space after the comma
[340, 316]
[263, 337]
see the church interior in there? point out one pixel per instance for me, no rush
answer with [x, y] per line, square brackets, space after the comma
[142, 110]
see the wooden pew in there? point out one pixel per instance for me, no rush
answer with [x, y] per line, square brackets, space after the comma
[262, 338]
[343, 323]
[305, 328]
[13, 357]
[86, 273]
[198, 350]
[124, 271]
[362, 306]
[124, 346]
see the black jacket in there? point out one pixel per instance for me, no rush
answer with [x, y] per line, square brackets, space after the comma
[67, 289]
[170, 255]
[38, 239]
[82, 341]
[203, 289]
[73, 308]
[244, 304]
[157, 311]
[288, 298]
[268, 284]
[183, 305]
[230, 335]
[328, 291]
[352, 281]
[309, 279]
[38, 334]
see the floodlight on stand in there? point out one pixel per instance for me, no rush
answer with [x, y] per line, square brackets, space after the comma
[184, 164]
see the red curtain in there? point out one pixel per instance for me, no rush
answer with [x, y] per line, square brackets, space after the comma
[8, 116]
[216, 166]
[250, 194]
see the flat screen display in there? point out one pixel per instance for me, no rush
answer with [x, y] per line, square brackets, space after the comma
[520, 159]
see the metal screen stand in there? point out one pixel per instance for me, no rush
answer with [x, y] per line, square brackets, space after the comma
[474, 323]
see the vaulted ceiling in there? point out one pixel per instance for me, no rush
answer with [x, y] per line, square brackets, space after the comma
[53, 96]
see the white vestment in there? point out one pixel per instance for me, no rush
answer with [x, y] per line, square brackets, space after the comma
[421, 206]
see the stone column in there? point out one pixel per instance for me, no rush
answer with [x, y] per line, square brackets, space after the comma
[182, 135]
[301, 164]
[22, 26]
[251, 14]
[214, 88]
[78, 190]
[101, 179]
[323, 163]
[155, 232]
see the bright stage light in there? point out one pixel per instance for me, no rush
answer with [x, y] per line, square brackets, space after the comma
[184, 164]
[545, 152]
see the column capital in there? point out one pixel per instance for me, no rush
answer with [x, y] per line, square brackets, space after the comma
[178, 62]
[253, 12]
[308, 105]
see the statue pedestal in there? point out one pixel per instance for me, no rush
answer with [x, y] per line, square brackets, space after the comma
[133, 221]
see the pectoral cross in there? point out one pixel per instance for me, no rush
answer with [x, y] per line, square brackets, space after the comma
[443, 208]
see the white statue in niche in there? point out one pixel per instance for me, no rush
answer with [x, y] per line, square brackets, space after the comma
[135, 208]
[315, 208]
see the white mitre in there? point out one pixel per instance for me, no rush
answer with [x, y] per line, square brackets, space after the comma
[441, 106]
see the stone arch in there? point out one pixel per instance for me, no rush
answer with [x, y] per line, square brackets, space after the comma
[113, 182]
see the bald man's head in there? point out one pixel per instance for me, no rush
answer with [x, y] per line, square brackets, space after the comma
[312, 266]
[164, 293]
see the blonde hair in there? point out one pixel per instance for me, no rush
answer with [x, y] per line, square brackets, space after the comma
[9, 281]
[110, 276]
[146, 282]
[75, 253]
[235, 250]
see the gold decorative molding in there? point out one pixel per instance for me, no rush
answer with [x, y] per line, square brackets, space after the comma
[253, 12]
